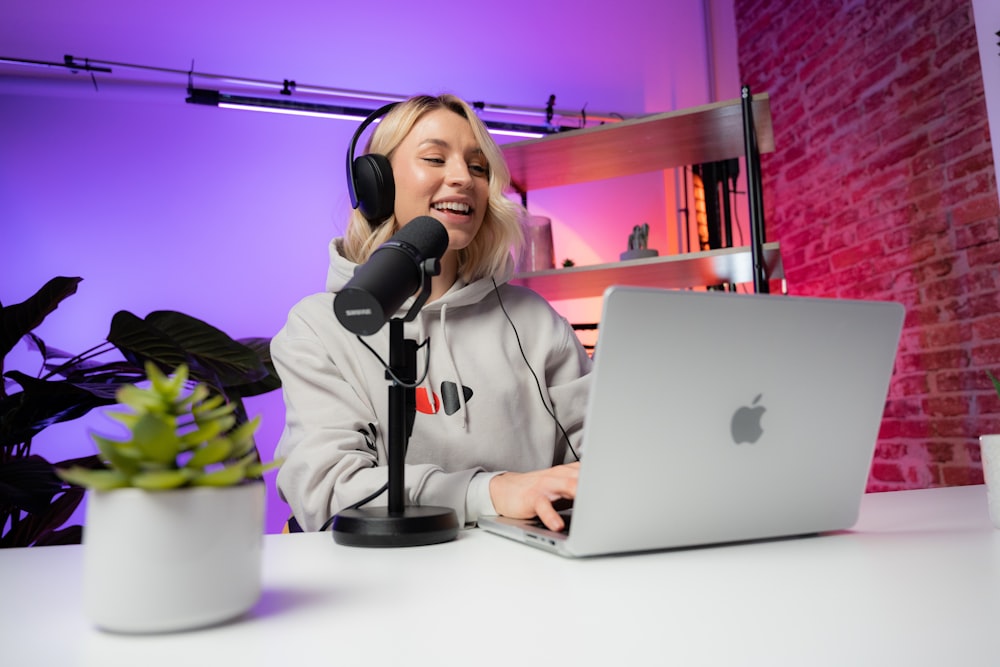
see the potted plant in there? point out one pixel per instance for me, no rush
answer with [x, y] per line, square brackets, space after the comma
[175, 516]
[35, 504]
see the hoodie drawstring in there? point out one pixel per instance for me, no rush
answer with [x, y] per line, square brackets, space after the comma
[458, 378]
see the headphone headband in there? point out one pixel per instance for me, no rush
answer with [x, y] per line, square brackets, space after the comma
[369, 177]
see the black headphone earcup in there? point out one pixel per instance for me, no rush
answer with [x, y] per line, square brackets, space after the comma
[374, 187]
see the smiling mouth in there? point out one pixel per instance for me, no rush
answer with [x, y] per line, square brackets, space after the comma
[452, 207]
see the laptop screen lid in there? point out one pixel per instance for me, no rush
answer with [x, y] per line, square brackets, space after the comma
[719, 417]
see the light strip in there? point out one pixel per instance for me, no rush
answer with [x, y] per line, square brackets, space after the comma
[75, 64]
[288, 112]
[225, 101]
[515, 133]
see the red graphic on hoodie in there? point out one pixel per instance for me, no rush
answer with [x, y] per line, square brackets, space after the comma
[427, 402]
[430, 403]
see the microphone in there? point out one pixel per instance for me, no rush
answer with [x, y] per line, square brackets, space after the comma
[392, 274]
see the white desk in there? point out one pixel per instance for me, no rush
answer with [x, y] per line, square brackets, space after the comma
[916, 583]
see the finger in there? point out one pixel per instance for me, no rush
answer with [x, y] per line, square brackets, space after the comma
[548, 515]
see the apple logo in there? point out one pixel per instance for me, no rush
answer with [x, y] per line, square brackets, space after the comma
[745, 425]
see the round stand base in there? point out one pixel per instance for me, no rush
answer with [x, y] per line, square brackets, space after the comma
[375, 527]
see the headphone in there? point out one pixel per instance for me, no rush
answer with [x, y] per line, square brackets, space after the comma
[369, 177]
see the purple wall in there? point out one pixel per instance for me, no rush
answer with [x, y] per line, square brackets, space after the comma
[226, 215]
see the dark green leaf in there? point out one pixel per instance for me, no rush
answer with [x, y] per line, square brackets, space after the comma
[91, 461]
[140, 341]
[54, 538]
[47, 351]
[39, 527]
[19, 319]
[170, 338]
[270, 382]
[41, 404]
[102, 379]
[215, 357]
[28, 484]
[995, 381]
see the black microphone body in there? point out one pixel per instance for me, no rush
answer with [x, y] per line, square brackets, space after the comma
[391, 275]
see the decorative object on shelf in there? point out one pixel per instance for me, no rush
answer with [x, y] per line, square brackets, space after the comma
[989, 450]
[568, 263]
[34, 502]
[175, 521]
[638, 241]
[537, 253]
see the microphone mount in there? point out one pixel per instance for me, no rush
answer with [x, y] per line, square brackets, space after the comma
[429, 268]
[399, 524]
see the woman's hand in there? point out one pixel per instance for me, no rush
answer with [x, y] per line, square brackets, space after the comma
[522, 495]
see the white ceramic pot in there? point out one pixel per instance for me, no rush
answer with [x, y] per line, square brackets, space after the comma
[162, 561]
[989, 449]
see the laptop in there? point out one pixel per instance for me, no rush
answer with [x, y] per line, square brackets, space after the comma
[717, 417]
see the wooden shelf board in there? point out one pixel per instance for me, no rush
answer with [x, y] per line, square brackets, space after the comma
[697, 135]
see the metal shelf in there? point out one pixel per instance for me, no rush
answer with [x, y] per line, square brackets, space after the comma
[697, 135]
[712, 267]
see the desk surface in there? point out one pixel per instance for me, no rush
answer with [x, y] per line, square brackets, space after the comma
[916, 582]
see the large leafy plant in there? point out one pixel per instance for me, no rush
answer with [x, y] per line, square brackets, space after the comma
[34, 501]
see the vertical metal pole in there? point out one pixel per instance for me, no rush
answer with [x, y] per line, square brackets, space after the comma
[754, 195]
[398, 428]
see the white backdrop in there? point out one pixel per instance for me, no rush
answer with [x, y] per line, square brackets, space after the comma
[987, 17]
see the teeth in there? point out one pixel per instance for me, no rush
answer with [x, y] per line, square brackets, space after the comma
[452, 206]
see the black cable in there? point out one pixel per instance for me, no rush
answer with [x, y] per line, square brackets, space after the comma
[538, 384]
[363, 501]
[392, 376]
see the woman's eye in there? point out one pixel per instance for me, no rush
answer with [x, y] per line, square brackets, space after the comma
[478, 169]
[434, 160]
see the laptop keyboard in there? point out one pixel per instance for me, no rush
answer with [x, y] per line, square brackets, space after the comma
[566, 515]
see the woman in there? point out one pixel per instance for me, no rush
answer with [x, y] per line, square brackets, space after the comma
[500, 410]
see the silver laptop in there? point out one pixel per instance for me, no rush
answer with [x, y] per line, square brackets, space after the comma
[717, 417]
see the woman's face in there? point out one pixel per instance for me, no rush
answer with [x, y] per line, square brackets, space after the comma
[440, 171]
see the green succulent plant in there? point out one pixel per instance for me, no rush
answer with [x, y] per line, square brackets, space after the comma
[995, 381]
[179, 437]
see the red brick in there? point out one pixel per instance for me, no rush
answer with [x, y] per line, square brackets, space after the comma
[888, 472]
[895, 196]
[987, 355]
[983, 207]
[961, 475]
[947, 406]
[988, 327]
[972, 164]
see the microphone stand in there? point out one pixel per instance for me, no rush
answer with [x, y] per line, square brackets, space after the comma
[399, 525]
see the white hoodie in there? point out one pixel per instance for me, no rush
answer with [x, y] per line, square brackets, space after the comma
[336, 398]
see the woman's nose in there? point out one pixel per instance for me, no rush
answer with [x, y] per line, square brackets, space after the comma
[458, 174]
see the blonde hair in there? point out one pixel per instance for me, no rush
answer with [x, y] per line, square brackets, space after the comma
[500, 233]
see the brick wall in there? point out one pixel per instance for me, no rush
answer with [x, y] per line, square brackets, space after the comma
[882, 186]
